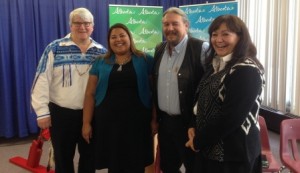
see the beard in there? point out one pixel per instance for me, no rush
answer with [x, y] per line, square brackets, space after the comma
[172, 39]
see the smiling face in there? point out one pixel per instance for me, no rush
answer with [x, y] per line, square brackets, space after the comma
[223, 40]
[119, 41]
[81, 29]
[174, 28]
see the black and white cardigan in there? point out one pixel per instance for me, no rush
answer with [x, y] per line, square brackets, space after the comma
[227, 126]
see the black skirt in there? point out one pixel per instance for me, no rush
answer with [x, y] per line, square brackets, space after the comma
[121, 125]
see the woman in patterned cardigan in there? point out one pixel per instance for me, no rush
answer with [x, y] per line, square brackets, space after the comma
[226, 132]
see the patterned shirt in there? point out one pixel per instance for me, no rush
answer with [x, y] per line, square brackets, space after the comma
[62, 75]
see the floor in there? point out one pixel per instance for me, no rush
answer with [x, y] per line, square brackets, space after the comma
[16, 147]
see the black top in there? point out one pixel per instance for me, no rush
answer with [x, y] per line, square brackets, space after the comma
[227, 113]
[122, 131]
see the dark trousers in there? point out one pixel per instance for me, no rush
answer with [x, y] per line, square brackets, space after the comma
[65, 135]
[172, 136]
[204, 165]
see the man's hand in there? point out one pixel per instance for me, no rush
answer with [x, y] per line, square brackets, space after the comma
[44, 123]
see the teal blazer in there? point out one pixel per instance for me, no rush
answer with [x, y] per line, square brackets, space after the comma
[143, 67]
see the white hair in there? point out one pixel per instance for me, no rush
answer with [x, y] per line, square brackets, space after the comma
[83, 13]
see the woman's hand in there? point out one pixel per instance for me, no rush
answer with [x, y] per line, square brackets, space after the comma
[191, 135]
[154, 127]
[87, 132]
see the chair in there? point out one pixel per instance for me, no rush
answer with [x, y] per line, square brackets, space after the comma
[266, 149]
[289, 144]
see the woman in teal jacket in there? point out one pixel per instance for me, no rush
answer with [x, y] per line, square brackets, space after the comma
[117, 106]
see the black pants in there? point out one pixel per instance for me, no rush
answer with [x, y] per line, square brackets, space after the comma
[172, 136]
[65, 135]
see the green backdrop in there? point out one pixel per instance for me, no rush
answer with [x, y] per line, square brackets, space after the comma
[144, 22]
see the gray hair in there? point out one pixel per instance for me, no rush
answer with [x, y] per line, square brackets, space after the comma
[83, 13]
[178, 11]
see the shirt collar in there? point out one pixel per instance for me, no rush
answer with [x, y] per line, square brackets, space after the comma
[181, 44]
[219, 63]
[67, 41]
[226, 58]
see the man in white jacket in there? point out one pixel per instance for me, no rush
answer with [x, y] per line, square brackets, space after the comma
[58, 91]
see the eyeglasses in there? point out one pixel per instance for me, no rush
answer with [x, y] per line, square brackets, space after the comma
[85, 24]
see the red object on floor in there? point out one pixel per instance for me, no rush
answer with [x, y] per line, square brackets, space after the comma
[23, 163]
[32, 163]
[35, 153]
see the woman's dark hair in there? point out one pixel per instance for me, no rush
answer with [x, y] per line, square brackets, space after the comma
[133, 49]
[244, 47]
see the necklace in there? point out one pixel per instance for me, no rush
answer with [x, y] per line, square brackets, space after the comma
[76, 68]
[125, 61]
[82, 73]
[83, 48]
